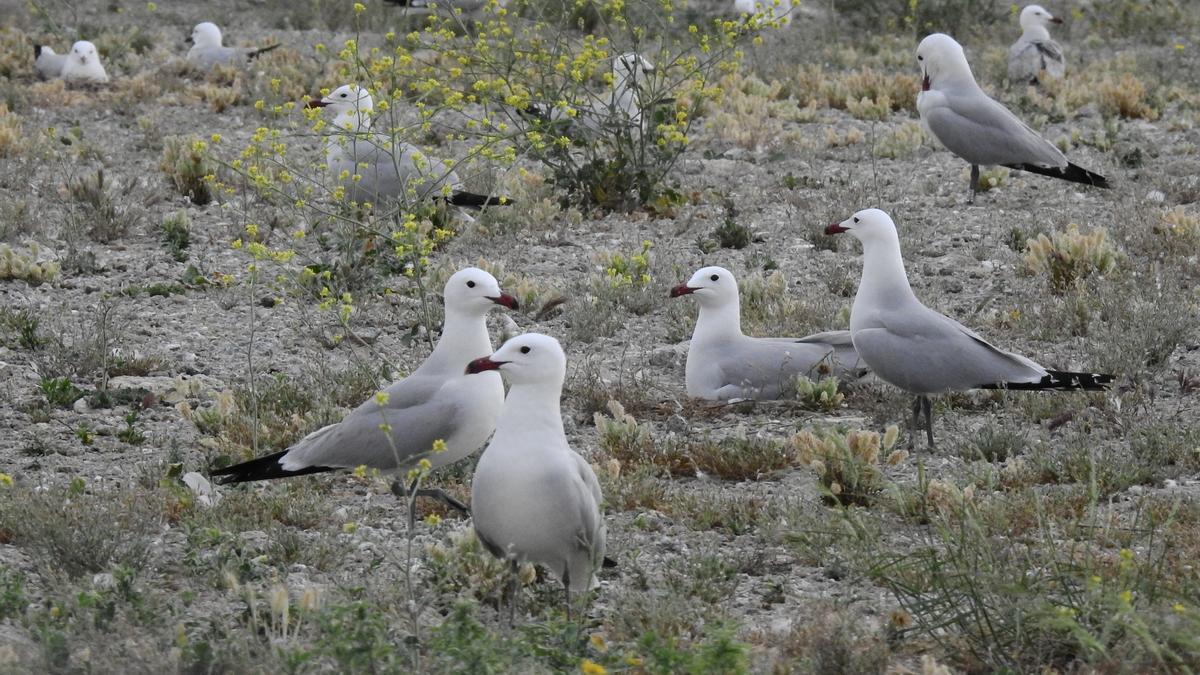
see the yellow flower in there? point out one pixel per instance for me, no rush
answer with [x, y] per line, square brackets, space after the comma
[590, 667]
[359, 8]
[360, 471]
[439, 446]
[349, 528]
[6, 480]
[598, 643]
[381, 398]
[433, 520]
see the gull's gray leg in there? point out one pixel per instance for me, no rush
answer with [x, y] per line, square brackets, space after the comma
[974, 182]
[399, 490]
[915, 423]
[928, 406]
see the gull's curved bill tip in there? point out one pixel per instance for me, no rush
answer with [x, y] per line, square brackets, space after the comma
[506, 300]
[835, 228]
[483, 364]
[682, 289]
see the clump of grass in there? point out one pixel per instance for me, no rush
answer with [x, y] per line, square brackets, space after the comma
[12, 138]
[1125, 96]
[848, 464]
[25, 266]
[176, 234]
[990, 179]
[821, 395]
[72, 530]
[102, 208]
[1179, 230]
[901, 141]
[866, 93]
[59, 391]
[21, 327]
[187, 165]
[1068, 256]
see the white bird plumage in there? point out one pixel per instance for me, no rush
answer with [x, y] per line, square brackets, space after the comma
[723, 363]
[1035, 51]
[83, 64]
[533, 498]
[208, 49]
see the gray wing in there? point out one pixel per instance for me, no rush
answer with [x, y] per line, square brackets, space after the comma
[593, 535]
[415, 415]
[924, 352]
[763, 368]
[212, 56]
[981, 131]
[391, 168]
[1051, 57]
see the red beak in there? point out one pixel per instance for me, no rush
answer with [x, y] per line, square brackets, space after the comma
[1056, 19]
[484, 364]
[682, 289]
[835, 228]
[506, 300]
[316, 103]
[925, 83]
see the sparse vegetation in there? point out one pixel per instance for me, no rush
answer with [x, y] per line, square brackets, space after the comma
[1068, 256]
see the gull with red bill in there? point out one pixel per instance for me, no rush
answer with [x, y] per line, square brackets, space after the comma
[921, 351]
[978, 129]
[436, 413]
[533, 498]
[1035, 52]
[725, 364]
[373, 167]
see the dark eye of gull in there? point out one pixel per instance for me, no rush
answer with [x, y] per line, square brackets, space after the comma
[470, 284]
[714, 277]
[525, 349]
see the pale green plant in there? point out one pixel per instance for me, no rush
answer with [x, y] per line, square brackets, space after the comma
[1067, 256]
[27, 265]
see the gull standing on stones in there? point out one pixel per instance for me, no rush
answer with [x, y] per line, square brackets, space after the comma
[207, 50]
[533, 498]
[919, 350]
[48, 64]
[83, 64]
[724, 364]
[973, 126]
[1035, 51]
[374, 166]
[398, 427]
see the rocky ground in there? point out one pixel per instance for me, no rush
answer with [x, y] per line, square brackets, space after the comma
[730, 558]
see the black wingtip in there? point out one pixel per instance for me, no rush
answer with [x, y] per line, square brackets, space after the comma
[37, 52]
[259, 52]
[608, 563]
[1061, 380]
[470, 199]
[262, 468]
[1073, 173]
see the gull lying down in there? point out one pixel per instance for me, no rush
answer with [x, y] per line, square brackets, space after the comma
[207, 50]
[80, 65]
[374, 167]
[978, 129]
[395, 430]
[919, 350]
[724, 364]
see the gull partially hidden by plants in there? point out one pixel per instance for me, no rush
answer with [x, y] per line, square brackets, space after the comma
[437, 413]
[777, 10]
[1035, 51]
[373, 167]
[614, 111]
[49, 65]
[725, 364]
[533, 498]
[207, 50]
[921, 351]
[978, 129]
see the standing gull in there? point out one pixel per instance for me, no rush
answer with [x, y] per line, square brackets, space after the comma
[533, 498]
[724, 364]
[973, 126]
[398, 427]
[373, 166]
[83, 64]
[919, 350]
[207, 50]
[1035, 51]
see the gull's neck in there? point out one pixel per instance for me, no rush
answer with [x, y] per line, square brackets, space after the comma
[884, 281]
[531, 407]
[718, 321]
[1036, 32]
[464, 339]
[353, 120]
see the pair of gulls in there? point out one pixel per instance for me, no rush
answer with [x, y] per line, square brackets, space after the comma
[533, 498]
[82, 63]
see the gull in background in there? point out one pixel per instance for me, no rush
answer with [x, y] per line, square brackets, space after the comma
[533, 498]
[724, 364]
[48, 64]
[397, 428]
[921, 351]
[780, 10]
[975, 127]
[207, 50]
[1035, 51]
[385, 167]
[83, 64]
[618, 109]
